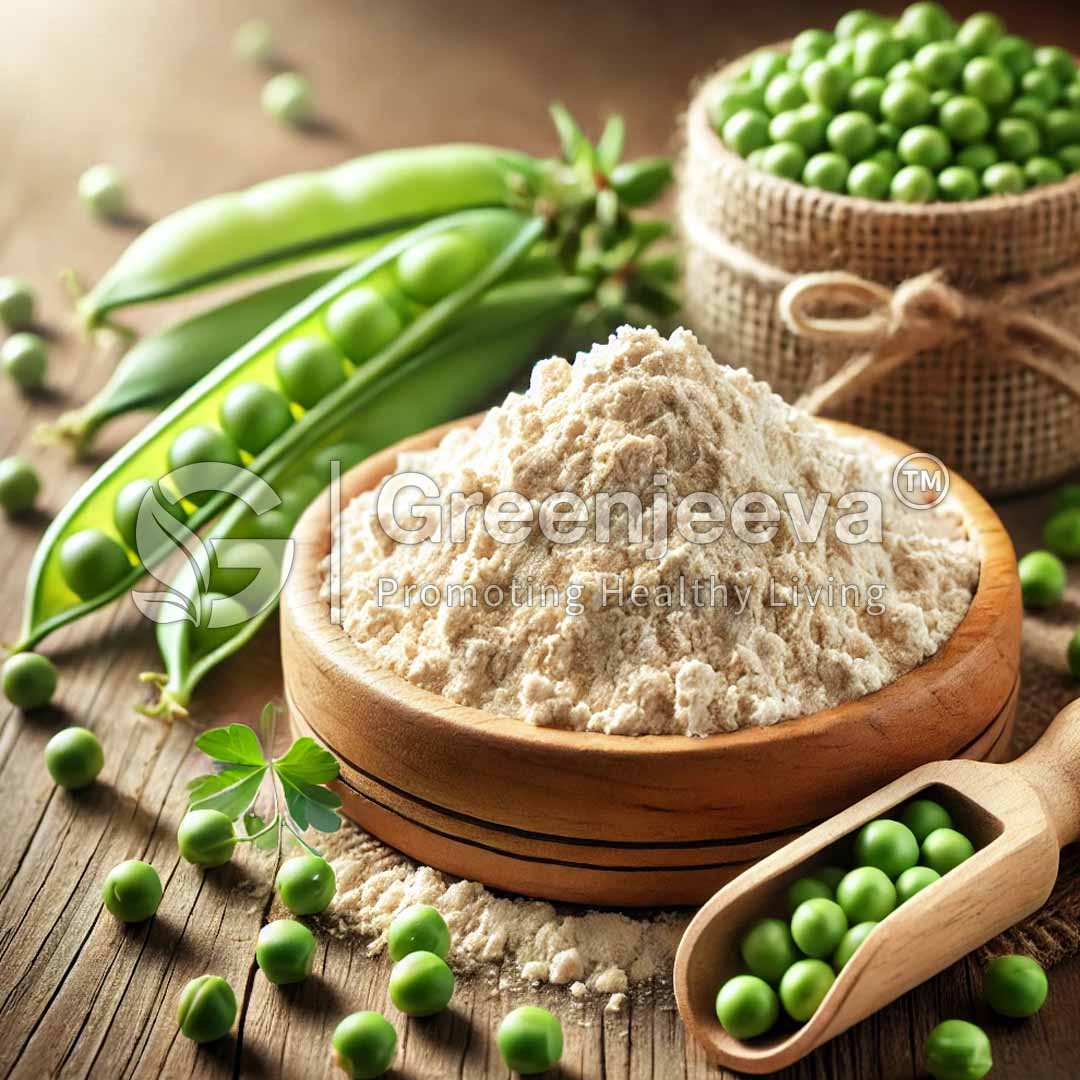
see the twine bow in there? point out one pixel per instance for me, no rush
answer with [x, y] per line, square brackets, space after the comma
[892, 326]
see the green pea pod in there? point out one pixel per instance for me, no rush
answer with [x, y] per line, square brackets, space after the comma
[487, 347]
[295, 215]
[502, 236]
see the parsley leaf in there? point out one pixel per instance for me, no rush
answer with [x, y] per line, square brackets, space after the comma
[307, 760]
[236, 743]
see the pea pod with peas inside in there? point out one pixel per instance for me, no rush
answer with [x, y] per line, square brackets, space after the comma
[459, 373]
[82, 562]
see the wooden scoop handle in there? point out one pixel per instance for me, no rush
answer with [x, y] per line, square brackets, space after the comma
[1052, 768]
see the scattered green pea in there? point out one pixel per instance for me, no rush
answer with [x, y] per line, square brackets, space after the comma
[421, 984]
[16, 303]
[746, 1007]
[129, 500]
[207, 1009]
[924, 145]
[807, 888]
[92, 562]
[957, 1050]
[828, 171]
[364, 1045]
[74, 757]
[1042, 579]
[253, 42]
[29, 680]
[308, 369]
[253, 416]
[747, 130]
[433, 268]
[957, 184]
[1004, 178]
[889, 845]
[361, 322]
[530, 1040]
[132, 891]
[914, 881]
[206, 838]
[25, 358]
[866, 895]
[804, 986]
[869, 180]
[1014, 986]
[768, 949]
[285, 951]
[964, 119]
[102, 191]
[19, 485]
[419, 928]
[849, 943]
[945, 849]
[1061, 534]
[817, 926]
[287, 97]
[306, 884]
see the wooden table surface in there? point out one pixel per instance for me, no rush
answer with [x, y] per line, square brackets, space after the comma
[153, 88]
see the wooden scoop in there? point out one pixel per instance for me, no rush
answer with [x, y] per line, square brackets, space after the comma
[1018, 816]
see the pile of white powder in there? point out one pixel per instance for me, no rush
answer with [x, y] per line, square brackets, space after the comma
[643, 414]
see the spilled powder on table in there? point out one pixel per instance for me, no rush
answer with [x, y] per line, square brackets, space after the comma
[588, 953]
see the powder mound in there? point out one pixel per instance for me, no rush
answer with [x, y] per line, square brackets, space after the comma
[690, 638]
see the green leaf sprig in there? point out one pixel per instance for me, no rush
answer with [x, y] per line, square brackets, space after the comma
[298, 778]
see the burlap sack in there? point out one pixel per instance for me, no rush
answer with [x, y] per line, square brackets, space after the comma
[955, 327]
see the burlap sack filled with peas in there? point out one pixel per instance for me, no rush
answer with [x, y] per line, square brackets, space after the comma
[955, 327]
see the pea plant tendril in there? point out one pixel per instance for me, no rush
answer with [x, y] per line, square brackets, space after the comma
[297, 782]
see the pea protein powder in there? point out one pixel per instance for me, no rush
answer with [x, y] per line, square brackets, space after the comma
[722, 625]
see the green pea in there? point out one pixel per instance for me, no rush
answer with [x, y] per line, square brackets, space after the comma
[924, 145]
[219, 617]
[906, 71]
[785, 159]
[19, 485]
[1069, 156]
[768, 949]
[746, 131]
[419, 928]
[957, 1050]
[530, 1040]
[831, 876]
[1016, 138]
[988, 81]
[923, 816]
[364, 1045]
[1062, 127]
[866, 895]
[1015, 53]
[421, 984]
[798, 126]
[746, 1007]
[287, 97]
[957, 184]
[852, 134]
[132, 891]
[1014, 986]
[914, 881]
[253, 41]
[798, 62]
[308, 369]
[249, 560]
[913, 184]
[25, 358]
[865, 95]
[818, 925]
[1042, 85]
[731, 98]
[206, 838]
[92, 562]
[889, 160]
[807, 888]
[207, 1009]
[1072, 655]
[16, 303]
[1004, 178]
[869, 180]
[922, 23]
[945, 849]
[939, 63]
[202, 445]
[361, 322]
[29, 680]
[784, 92]
[1029, 107]
[978, 157]
[804, 986]
[849, 943]
[765, 65]
[905, 103]
[889, 845]
[285, 951]
[306, 884]
[253, 416]
[1071, 95]
[841, 53]
[826, 83]
[1057, 61]
[889, 135]
[102, 191]
[964, 119]
[1041, 170]
[74, 757]
[828, 171]
[1061, 534]
[876, 50]
[1042, 579]
[813, 41]
[979, 33]
[853, 23]
[433, 268]
[129, 500]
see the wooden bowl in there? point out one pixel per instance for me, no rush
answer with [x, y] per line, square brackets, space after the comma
[629, 821]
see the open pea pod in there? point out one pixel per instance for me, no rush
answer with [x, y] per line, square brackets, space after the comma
[85, 560]
[238, 585]
[292, 216]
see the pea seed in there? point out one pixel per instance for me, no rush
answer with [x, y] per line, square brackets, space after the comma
[1004, 178]
[1069, 156]
[978, 157]
[433, 268]
[220, 617]
[906, 71]
[765, 66]
[249, 560]
[1030, 108]
[1042, 170]
[308, 369]
[731, 98]
[364, 1045]
[132, 891]
[1014, 53]
[129, 500]
[945, 849]
[826, 83]
[19, 485]
[841, 53]
[1042, 579]
[889, 845]
[786, 159]
[746, 1007]
[92, 562]
[746, 131]
[1062, 127]
[306, 884]
[206, 838]
[29, 680]
[285, 951]
[913, 184]
[419, 928]
[287, 97]
[74, 757]
[807, 888]
[530, 1040]
[815, 41]
[804, 986]
[254, 416]
[831, 876]
[784, 92]
[849, 943]
[207, 1009]
[1057, 61]
[421, 984]
[16, 303]
[865, 95]
[923, 816]
[876, 50]
[964, 119]
[979, 33]
[796, 126]
[889, 160]
[889, 134]
[828, 171]
[869, 180]
[1041, 84]
[988, 81]
[924, 145]
[817, 926]
[1014, 986]
[914, 881]
[957, 1050]
[905, 103]
[25, 358]
[851, 24]
[202, 445]
[768, 949]
[866, 895]
[102, 191]
[922, 23]
[1016, 138]
[939, 63]
[361, 322]
[852, 134]
[957, 184]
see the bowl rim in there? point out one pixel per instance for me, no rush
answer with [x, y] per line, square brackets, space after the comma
[997, 591]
